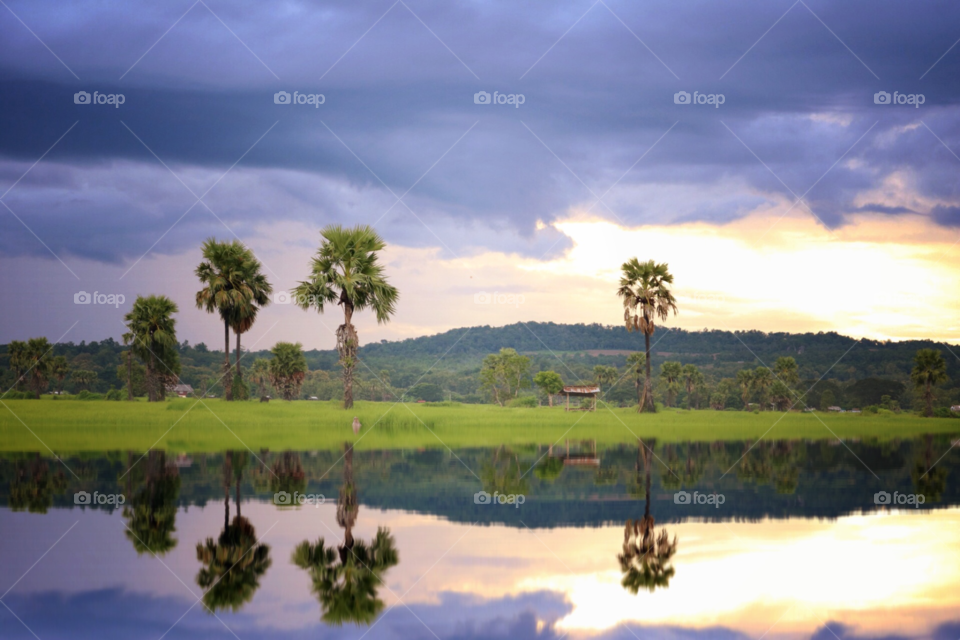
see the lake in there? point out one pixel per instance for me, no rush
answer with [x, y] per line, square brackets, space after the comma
[772, 539]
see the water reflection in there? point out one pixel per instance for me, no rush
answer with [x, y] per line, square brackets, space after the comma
[151, 513]
[645, 560]
[235, 562]
[34, 485]
[346, 580]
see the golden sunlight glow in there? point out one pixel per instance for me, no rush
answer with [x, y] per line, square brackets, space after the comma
[886, 278]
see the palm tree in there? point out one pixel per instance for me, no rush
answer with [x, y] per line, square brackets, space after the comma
[385, 382]
[745, 382]
[151, 332]
[37, 360]
[604, 374]
[84, 378]
[646, 296]
[645, 557]
[244, 313]
[346, 270]
[260, 375]
[346, 580]
[17, 350]
[59, 368]
[226, 272]
[762, 383]
[693, 381]
[929, 480]
[235, 562]
[288, 369]
[929, 370]
[670, 374]
[636, 362]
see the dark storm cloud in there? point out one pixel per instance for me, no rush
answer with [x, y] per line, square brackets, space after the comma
[798, 115]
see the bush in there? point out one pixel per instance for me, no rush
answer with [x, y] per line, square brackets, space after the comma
[444, 404]
[523, 402]
[18, 395]
[115, 395]
[944, 412]
[86, 395]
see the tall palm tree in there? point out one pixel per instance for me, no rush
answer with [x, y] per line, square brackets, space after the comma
[646, 555]
[929, 370]
[244, 313]
[346, 580]
[84, 378]
[646, 296]
[151, 332]
[226, 273]
[347, 271]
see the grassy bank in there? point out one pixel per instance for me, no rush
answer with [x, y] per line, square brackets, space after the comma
[215, 425]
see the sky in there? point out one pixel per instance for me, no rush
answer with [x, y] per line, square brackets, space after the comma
[795, 163]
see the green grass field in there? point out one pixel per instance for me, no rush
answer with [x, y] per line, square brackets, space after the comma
[67, 426]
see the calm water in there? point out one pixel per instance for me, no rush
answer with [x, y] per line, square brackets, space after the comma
[787, 541]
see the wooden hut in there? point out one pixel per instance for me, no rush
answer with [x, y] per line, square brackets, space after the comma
[588, 391]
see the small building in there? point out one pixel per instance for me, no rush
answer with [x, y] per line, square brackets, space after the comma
[587, 391]
[955, 408]
[182, 390]
[836, 409]
[854, 410]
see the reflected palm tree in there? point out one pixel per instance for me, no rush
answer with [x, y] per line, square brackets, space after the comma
[235, 562]
[152, 512]
[345, 580]
[34, 485]
[502, 474]
[929, 478]
[288, 474]
[645, 559]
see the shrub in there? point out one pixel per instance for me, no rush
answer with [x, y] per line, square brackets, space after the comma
[87, 395]
[18, 395]
[115, 395]
[240, 389]
[523, 402]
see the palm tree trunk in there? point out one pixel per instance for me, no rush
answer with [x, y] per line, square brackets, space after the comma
[227, 381]
[239, 375]
[646, 402]
[348, 360]
[928, 396]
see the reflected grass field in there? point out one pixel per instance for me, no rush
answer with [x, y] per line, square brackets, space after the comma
[215, 425]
